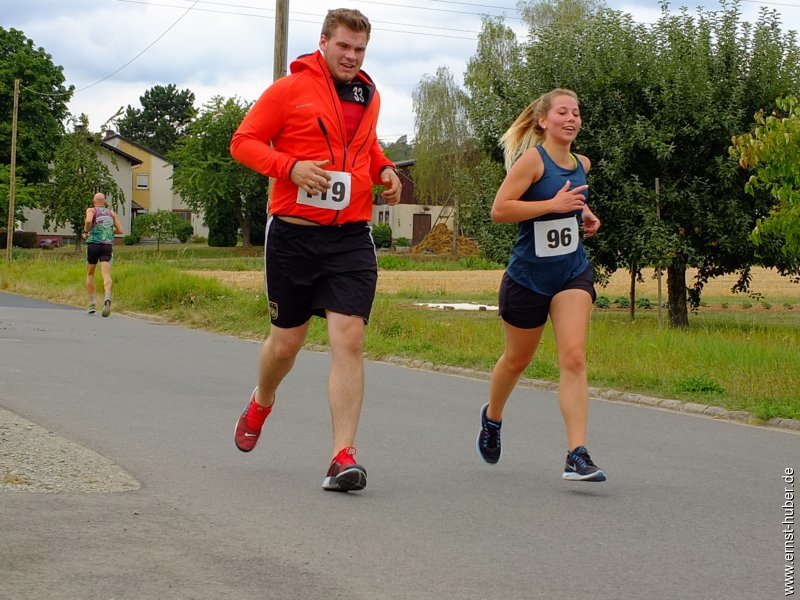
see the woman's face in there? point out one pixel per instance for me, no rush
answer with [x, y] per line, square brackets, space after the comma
[563, 121]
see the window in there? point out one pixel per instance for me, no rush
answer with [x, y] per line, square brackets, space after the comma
[186, 215]
[143, 181]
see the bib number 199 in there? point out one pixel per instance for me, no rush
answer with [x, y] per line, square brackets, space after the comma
[336, 197]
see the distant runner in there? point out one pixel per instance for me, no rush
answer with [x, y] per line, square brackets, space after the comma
[98, 230]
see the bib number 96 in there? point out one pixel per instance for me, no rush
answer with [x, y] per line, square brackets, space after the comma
[556, 237]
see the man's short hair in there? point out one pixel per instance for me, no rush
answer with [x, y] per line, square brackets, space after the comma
[349, 17]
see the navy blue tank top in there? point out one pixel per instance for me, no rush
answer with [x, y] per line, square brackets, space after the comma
[548, 252]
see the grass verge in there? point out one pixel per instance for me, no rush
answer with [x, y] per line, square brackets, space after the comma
[740, 361]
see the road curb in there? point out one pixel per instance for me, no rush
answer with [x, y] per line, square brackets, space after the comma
[716, 412]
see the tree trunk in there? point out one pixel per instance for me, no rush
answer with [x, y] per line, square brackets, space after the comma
[244, 225]
[676, 297]
[632, 294]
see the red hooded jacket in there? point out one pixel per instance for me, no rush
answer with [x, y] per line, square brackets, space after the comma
[302, 118]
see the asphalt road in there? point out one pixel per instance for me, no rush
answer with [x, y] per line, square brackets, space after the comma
[692, 508]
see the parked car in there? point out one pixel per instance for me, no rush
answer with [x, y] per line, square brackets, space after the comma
[49, 243]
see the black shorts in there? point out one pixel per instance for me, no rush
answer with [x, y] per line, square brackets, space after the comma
[524, 308]
[98, 253]
[313, 269]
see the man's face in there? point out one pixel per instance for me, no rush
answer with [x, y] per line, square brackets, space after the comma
[344, 52]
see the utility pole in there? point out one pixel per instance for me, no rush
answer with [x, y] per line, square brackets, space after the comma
[11, 223]
[281, 38]
[279, 57]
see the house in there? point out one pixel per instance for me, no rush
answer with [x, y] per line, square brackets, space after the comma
[410, 219]
[121, 165]
[152, 183]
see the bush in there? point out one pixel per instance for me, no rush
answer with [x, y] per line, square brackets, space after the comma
[130, 240]
[644, 303]
[26, 239]
[402, 241]
[622, 302]
[496, 240]
[602, 302]
[382, 235]
[184, 231]
[199, 239]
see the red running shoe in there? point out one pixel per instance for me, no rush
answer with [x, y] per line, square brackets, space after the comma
[344, 474]
[245, 436]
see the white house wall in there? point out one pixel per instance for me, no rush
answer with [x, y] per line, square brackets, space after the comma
[123, 177]
[401, 218]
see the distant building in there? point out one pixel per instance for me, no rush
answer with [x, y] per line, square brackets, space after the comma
[409, 218]
[151, 183]
[121, 172]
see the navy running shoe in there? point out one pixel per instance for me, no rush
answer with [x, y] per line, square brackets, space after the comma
[488, 442]
[580, 467]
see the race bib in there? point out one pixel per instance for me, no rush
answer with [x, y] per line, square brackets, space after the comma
[336, 197]
[556, 237]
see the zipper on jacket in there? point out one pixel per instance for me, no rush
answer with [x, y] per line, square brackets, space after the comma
[327, 139]
[361, 147]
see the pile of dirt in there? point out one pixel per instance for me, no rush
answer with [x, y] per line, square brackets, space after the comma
[440, 241]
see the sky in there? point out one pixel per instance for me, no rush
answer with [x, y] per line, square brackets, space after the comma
[113, 51]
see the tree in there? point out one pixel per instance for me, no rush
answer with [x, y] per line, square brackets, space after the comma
[230, 195]
[164, 117]
[773, 151]
[445, 145]
[76, 175]
[491, 81]
[561, 14]
[42, 104]
[658, 102]
[162, 225]
[24, 196]
[398, 150]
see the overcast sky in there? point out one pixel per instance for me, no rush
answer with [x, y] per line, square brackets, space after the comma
[224, 47]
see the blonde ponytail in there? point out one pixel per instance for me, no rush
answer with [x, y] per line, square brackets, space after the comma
[525, 132]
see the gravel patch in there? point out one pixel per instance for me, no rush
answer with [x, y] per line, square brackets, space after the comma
[33, 459]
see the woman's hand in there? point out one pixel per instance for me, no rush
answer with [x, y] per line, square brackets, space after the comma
[568, 200]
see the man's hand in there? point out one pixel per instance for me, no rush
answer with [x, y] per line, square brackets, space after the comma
[393, 187]
[309, 176]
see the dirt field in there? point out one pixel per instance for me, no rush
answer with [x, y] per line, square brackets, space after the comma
[767, 282]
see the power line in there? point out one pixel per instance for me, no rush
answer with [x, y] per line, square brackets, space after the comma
[476, 5]
[150, 45]
[317, 20]
[762, 2]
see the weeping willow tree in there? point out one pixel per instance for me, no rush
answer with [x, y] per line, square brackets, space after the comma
[445, 147]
